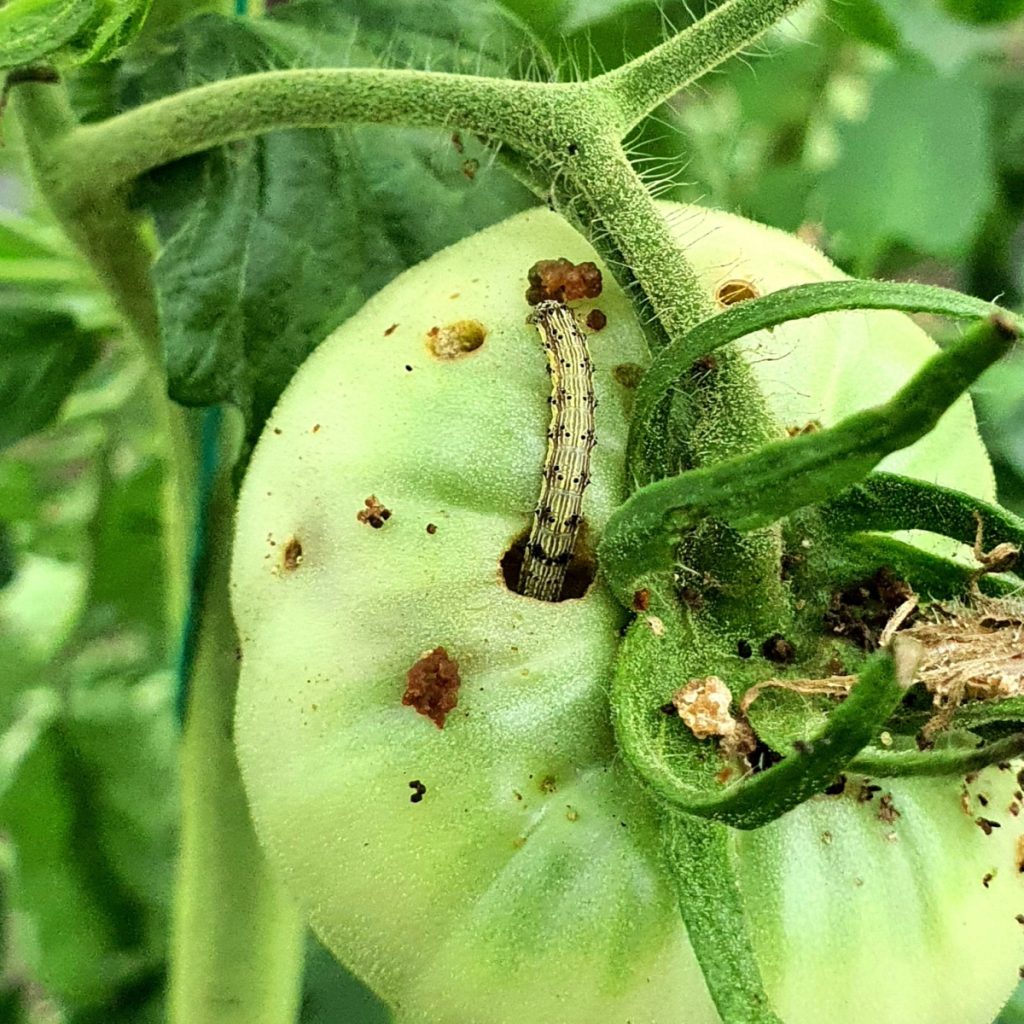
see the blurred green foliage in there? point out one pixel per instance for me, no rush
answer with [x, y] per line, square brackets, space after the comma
[889, 132]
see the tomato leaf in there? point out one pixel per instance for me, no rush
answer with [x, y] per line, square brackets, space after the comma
[270, 243]
[43, 353]
[924, 136]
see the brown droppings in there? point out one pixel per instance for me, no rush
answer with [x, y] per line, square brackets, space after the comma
[641, 600]
[861, 611]
[628, 374]
[731, 292]
[291, 554]
[810, 427]
[1019, 919]
[456, 339]
[596, 320]
[986, 825]
[391, 330]
[432, 685]
[744, 650]
[778, 649]
[867, 792]
[837, 787]
[470, 167]
[562, 280]
[1019, 855]
[987, 878]
[374, 514]
[1014, 808]
[408, 368]
[431, 529]
[886, 810]
[277, 430]
[316, 428]
[418, 791]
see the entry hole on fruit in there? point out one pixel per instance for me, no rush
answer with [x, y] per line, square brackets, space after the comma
[456, 339]
[291, 554]
[578, 577]
[730, 292]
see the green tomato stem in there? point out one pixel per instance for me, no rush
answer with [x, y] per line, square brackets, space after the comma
[643, 84]
[237, 939]
[711, 904]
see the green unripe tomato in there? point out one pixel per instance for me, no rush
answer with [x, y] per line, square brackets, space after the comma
[506, 868]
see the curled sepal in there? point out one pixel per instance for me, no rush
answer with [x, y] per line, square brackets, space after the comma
[887, 501]
[953, 760]
[67, 31]
[684, 772]
[860, 555]
[712, 908]
[752, 491]
[797, 303]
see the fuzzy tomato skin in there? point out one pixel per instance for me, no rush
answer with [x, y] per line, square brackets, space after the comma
[526, 883]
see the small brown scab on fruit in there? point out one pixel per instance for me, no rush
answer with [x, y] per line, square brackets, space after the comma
[731, 292]
[989, 875]
[470, 167]
[548, 784]
[374, 514]
[987, 825]
[432, 685]
[886, 810]
[457, 142]
[418, 791]
[431, 529]
[455, 340]
[641, 600]
[562, 280]
[391, 330]
[1019, 855]
[291, 555]
[596, 320]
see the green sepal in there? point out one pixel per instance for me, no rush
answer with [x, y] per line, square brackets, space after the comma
[711, 904]
[657, 656]
[881, 763]
[748, 492]
[887, 501]
[858, 556]
[644, 453]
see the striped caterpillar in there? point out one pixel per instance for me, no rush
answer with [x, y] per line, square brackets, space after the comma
[571, 438]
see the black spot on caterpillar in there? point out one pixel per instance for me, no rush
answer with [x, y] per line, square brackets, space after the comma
[571, 438]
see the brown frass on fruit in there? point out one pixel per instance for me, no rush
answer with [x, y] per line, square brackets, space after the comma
[432, 685]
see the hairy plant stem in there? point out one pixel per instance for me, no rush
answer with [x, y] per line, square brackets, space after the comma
[236, 950]
[642, 85]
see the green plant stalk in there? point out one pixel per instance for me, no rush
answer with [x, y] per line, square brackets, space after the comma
[643, 84]
[237, 940]
[255, 928]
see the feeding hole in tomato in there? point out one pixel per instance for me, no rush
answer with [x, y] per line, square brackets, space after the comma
[730, 292]
[456, 339]
[578, 577]
[291, 555]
